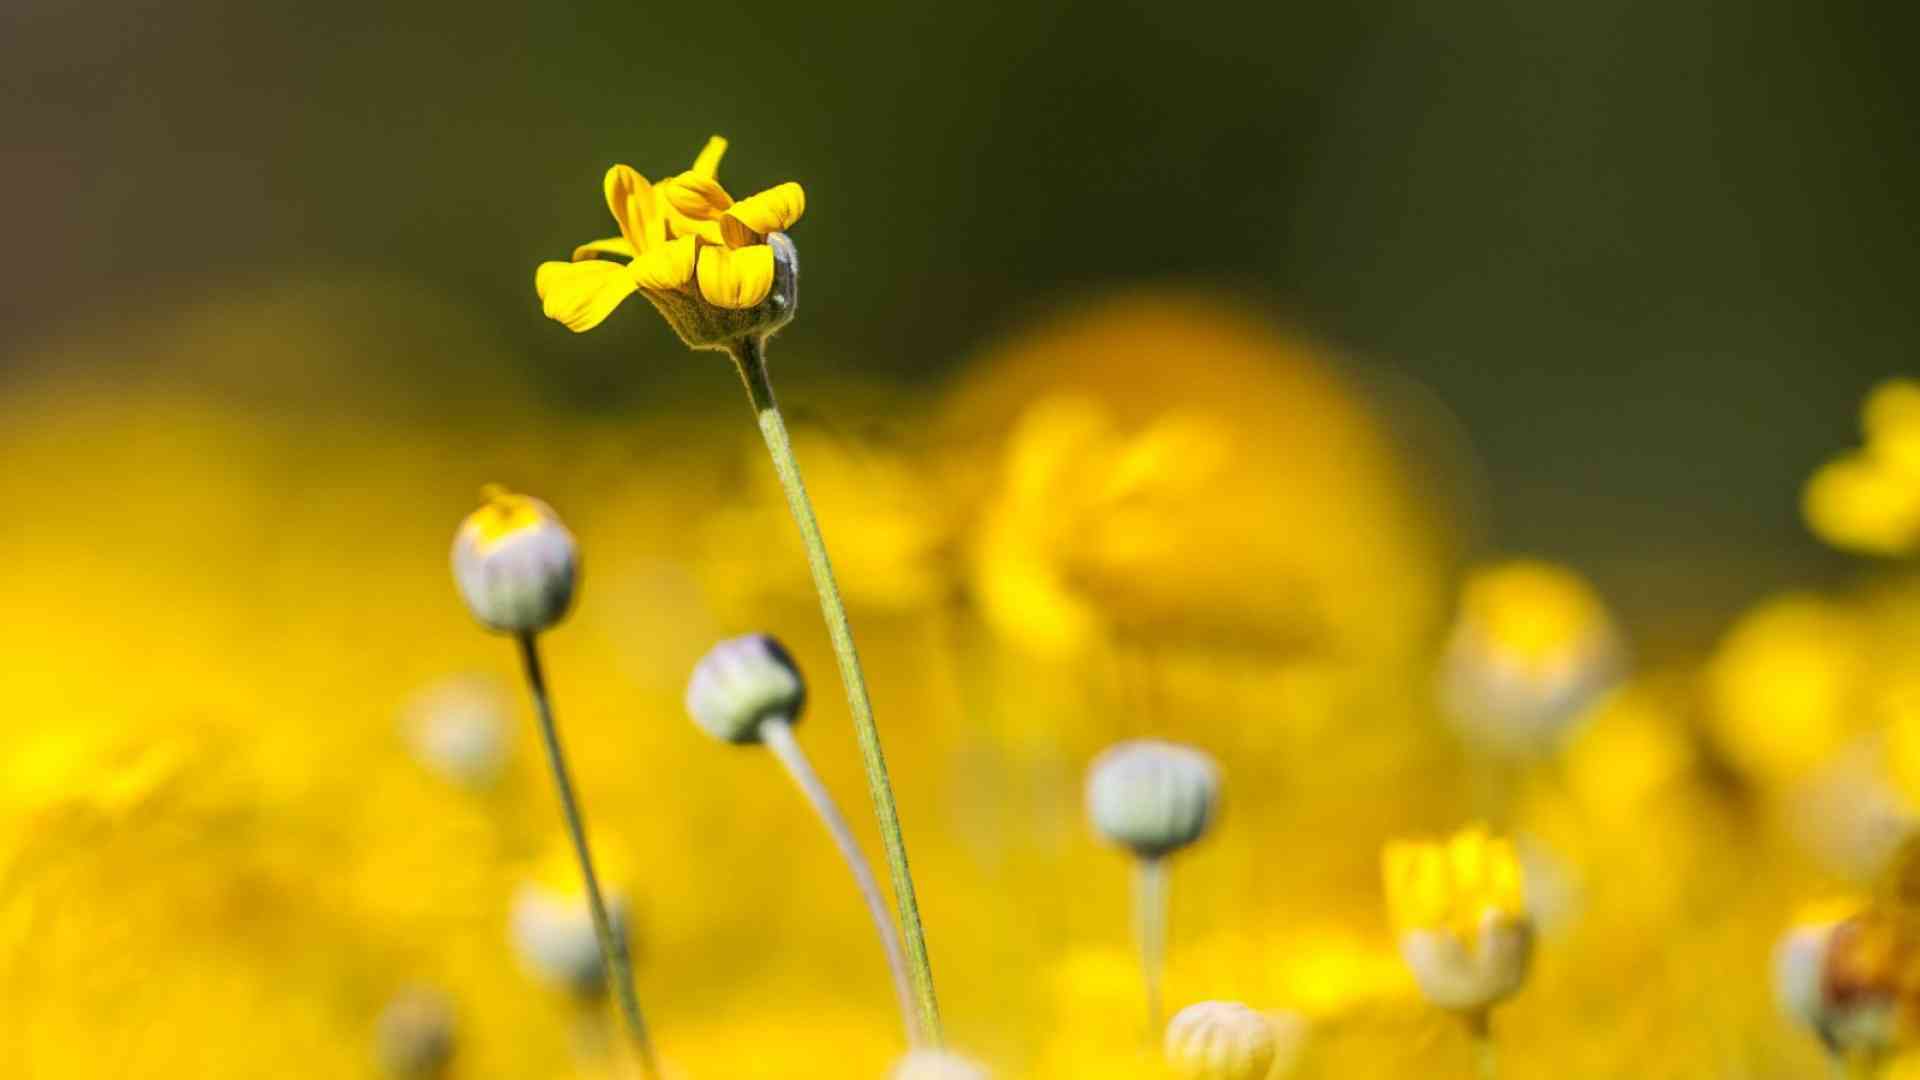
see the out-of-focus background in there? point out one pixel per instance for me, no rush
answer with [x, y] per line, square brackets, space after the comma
[1160, 369]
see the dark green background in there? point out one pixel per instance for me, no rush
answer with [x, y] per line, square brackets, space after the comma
[1650, 253]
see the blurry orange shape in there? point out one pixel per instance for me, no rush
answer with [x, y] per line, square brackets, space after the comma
[1783, 687]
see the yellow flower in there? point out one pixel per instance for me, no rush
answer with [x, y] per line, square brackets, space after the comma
[1459, 910]
[686, 243]
[1783, 689]
[1868, 500]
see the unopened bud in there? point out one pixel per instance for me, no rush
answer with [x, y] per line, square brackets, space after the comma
[1220, 1040]
[1152, 797]
[741, 682]
[515, 563]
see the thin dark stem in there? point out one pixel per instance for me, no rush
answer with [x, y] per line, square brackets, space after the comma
[749, 357]
[613, 945]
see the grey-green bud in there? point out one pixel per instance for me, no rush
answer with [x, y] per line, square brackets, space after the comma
[554, 934]
[741, 682]
[703, 325]
[1152, 797]
[515, 563]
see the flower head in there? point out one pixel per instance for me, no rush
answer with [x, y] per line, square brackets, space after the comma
[1459, 910]
[551, 922]
[719, 269]
[515, 563]
[414, 1035]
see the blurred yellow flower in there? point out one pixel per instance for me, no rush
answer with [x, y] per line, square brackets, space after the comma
[1868, 500]
[1783, 687]
[1459, 910]
[683, 231]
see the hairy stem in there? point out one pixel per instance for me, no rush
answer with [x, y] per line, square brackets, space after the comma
[777, 733]
[613, 945]
[750, 358]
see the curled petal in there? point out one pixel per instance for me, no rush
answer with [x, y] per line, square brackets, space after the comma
[580, 295]
[668, 266]
[773, 210]
[708, 163]
[635, 205]
[612, 245]
[698, 197]
[736, 278]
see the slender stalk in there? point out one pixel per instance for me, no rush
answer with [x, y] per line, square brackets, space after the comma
[749, 356]
[777, 733]
[613, 946]
[1486, 1063]
[1150, 924]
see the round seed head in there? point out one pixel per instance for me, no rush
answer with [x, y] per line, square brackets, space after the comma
[741, 682]
[937, 1065]
[515, 563]
[1152, 797]
[1220, 1040]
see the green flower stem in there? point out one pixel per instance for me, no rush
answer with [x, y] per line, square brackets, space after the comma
[613, 946]
[750, 357]
[777, 733]
[1486, 1063]
[1150, 924]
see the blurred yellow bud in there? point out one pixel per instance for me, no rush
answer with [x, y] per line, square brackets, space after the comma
[1531, 647]
[1152, 797]
[515, 563]
[1459, 910]
[461, 729]
[551, 921]
[1891, 420]
[1220, 1040]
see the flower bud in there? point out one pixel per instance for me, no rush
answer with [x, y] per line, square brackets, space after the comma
[414, 1036]
[1220, 1040]
[1152, 797]
[514, 563]
[704, 325]
[937, 1065]
[1459, 910]
[460, 728]
[741, 682]
[553, 932]
[1532, 646]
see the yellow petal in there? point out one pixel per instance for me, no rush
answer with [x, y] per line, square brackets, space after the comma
[612, 245]
[736, 279]
[635, 205]
[708, 163]
[582, 294]
[668, 266]
[698, 197]
[773, 210]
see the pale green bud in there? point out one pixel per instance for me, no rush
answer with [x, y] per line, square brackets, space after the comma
[741, 682]
[553, 932]
[1152, 797]
[515, 563]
